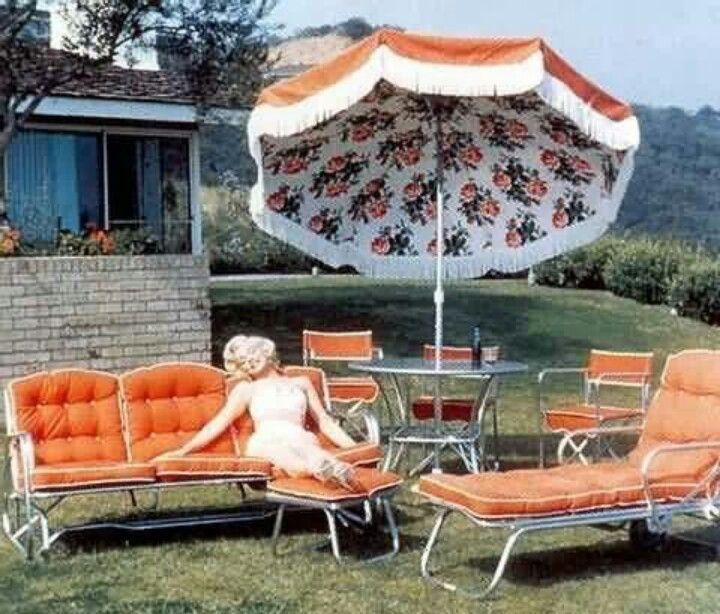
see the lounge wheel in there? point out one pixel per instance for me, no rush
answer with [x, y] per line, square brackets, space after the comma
[643, 538]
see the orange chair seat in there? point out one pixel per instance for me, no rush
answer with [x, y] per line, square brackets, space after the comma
[359, 454]
[80, 474]
[423, 408]
[372, 480]
[587, 416]
[353, 389]
[211, 466]
[568, 488]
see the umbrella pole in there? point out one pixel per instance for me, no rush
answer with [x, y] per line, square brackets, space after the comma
[439, 295]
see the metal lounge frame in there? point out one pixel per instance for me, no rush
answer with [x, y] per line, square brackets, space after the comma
[341, 511]
[656, 515]
[575, 442]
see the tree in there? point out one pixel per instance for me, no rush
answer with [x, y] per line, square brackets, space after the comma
[223, 45]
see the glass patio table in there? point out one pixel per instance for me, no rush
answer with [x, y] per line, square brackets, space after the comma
[466, 439]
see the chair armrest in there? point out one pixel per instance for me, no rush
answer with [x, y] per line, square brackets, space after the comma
[542, 375]
[23, 443]
[377, 353]
[649, 458]
[372, 425]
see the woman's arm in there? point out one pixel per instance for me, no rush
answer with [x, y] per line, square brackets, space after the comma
[234, 407]
[327, 425]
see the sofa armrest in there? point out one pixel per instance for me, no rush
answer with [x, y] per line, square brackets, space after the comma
[21, 451]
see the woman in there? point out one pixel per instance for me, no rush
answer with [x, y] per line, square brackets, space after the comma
[277, 405]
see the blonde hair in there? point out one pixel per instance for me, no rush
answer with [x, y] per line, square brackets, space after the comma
[246, 356]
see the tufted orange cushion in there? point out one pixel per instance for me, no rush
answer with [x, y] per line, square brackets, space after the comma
[98, 473]
[584, 416]
[167, 404]
[544, 492]
[72, 415]
[201, 466]
[372, 480]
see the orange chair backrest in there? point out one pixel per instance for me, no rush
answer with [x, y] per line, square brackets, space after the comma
[686, 407]
[448, 352]
[72, 415]
[167, 404]
[615, 364]
[337, 346]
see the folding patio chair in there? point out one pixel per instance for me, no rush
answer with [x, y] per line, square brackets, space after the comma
[673, 470]
[343, 347]
[585, 421]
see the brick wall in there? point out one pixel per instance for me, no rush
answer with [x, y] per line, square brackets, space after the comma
[112, 313]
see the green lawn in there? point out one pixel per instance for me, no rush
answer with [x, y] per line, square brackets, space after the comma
[232, 570]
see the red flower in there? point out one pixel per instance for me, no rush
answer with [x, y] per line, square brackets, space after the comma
[518, 130]
[513, 238]
[471, 155]
[409, 156]
[581, 166]
[432, 247]
[502, 180]
[372, 186]
[335, 164]
[468, 192]
[360, 133]
[276, 200]
[378, 208]
[316, 223]
[549, 158]
[292, 166]
[431, 210]
[413, 190]
[490, 208]
[380, 245]
[335, 188]
[559, 136]
[537, 188]
[560, 218]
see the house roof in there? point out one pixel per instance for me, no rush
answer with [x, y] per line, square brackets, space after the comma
[118, 83]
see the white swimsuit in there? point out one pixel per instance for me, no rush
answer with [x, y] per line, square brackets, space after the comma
[278, 408]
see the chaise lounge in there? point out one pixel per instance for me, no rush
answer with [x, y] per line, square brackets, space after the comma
[78, 432]
[674, 469]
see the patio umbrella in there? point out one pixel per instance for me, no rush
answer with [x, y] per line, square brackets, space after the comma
[413, 156]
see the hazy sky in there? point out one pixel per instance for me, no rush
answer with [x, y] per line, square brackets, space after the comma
[659, 52]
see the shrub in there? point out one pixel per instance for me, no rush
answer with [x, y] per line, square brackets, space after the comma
[695, 290]
[580, 268]
[643, 269]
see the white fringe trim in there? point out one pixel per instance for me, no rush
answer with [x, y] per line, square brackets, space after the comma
[448, 79]
[423, 267]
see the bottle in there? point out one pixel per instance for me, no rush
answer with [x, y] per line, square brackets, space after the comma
[476, 347]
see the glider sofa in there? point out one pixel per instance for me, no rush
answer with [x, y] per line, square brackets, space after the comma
[79, 432]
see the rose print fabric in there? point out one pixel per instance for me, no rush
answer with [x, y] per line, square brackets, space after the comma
[361, 186]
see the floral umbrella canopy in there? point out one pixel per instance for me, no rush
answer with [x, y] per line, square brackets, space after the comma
[527, 158]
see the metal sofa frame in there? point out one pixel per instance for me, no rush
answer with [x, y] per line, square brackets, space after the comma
[656, 515]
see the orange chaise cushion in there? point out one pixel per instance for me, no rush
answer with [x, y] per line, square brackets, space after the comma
[168, 403]
[547, 492]
[212, 466]
[372, 480]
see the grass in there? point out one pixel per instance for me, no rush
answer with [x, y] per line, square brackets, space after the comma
[231, 569]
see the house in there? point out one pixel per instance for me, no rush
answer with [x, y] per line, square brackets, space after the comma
[118, 152]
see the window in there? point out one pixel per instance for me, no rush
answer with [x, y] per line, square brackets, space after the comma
[54, 183]
[149, 186]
